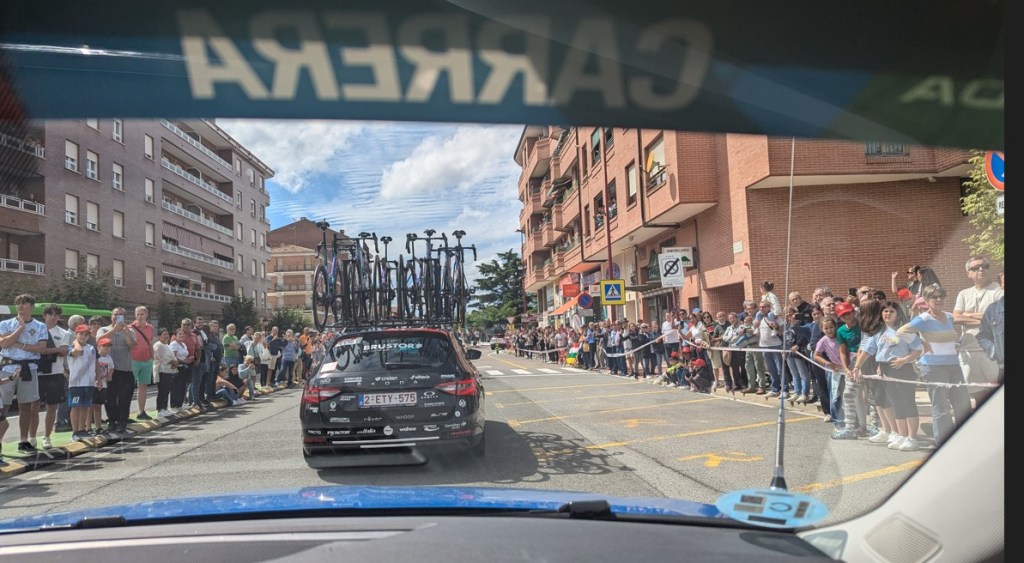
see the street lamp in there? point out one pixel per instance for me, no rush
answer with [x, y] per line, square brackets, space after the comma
[522, 261]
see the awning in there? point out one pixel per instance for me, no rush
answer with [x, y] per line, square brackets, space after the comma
[565, 307]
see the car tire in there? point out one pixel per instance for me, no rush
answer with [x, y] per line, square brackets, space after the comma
[480, 448]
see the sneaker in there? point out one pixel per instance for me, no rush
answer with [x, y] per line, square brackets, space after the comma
[863, 432]
[143, 416]
[844, 434]
[894, 437]
[47, 443]
[32, 441]
[76, 437]
[760, 391]
[882, 437]
[908, 445]
[163, 414]
[26, 447]
[773, 394]
[894, 444]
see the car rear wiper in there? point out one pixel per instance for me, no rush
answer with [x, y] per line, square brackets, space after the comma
[403, 365]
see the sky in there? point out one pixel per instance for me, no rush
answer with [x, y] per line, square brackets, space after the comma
[392, 178]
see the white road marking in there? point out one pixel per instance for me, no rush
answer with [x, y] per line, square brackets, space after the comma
[521, 371]
[494, 372]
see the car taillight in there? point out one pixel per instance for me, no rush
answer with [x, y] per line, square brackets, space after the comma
[313, 395]
[461, 387]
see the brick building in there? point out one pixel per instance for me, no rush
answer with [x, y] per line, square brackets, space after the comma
[293, 261]
[168, 207]
[726, 196]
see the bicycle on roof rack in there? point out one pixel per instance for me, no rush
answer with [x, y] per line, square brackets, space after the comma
[326, 281]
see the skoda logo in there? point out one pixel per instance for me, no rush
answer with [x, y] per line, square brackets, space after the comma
[334, 405]
[457, 414]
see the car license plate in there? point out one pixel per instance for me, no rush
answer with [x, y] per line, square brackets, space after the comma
[387, 399]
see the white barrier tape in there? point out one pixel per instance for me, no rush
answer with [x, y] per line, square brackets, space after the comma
[548, 351]
[863, 376]
[631, 352]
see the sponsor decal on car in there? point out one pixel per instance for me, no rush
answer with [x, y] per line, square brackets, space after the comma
[372, 418]
[431, 428]
[441, 414]
[420, 378]
[367, 431]
[347, 397]
[448, 376]
[430, 394]
[341, 419]
[339, 432]
[314, 409]
[386, 378]
[407, 429]
[452, 426]
[334, 405]
[404, 417]
[458, 414]
[433, 404]
[388, 430]
[314, 432]
[395, 346]
[353, 380]
[462, 402]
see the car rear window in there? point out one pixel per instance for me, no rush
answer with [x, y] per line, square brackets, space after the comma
[365, 353]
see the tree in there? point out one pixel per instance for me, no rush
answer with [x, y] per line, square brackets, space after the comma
[979, 204]
[241, 312]
[13, 285]
[286, 318]
[89, 286]
[499, 292]
[170, 311]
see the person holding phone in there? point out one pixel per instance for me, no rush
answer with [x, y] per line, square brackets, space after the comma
[122, 384]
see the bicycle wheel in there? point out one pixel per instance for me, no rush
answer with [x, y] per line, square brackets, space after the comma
[323, 311]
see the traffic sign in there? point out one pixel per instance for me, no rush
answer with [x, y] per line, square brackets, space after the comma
[671, 270]
[585, 300]
[995, 168]
[613, 292]
[685, 254]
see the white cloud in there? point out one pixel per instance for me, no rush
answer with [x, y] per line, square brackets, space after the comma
[296, 150]
[460, 161]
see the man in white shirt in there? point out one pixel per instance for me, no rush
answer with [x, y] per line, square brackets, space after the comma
[670, 330]
[967, 313]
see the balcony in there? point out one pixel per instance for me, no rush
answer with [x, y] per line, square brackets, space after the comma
[301, 268]
[21, 145]
[535, 241]
[293, 287]
[556, 217]
[199, 146]
[184, 292]
[12, 202]
[538, 159]
[195, 180]
[21, 267]
[571, 205]
[189, 253]
[193, 217]
[549, 269]
[548, 234]
[559, 260]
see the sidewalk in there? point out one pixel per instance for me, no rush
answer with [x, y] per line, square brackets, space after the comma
[20, 462]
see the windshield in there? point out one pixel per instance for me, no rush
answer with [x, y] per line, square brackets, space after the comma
[654, 232]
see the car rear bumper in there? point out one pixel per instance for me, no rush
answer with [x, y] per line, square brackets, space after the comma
[398, 451]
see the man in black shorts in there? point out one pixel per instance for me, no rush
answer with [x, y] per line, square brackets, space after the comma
[52, 383]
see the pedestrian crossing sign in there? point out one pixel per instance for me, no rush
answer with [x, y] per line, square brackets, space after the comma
[613, 292]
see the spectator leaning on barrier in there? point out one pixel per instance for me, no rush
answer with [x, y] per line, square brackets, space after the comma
[967, 313]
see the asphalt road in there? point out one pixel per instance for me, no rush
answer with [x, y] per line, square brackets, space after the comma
[548, 427]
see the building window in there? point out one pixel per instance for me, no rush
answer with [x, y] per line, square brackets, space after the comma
[150, 278]
[70, 263]
[263, 213]
[885, 149]
[613, 198]
[252, 177]
[118, 133]
[92, 216]
[92, 165]
[263, 270]
[586, 220]
[631, 181]
[254, 295]
[118, 273]
[264, 301]
[149, 191]
[598, 211]
[609, 138]
[93, 122]
[263, 241]
[259, 180]
[150, 233]
[595, 147]
[238, 230]
[240, 265]
[70, 209]
[118, 229]
[117, 177]
[252, 207]
[238, 168]
[148, 147]
[92, 264]
[238, 199]
[253, 268]
[655, 164]
[252, 232]
[71, 156]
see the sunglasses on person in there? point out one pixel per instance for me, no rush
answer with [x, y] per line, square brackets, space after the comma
[980, 267]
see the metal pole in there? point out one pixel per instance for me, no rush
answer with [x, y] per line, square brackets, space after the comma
[607, 217]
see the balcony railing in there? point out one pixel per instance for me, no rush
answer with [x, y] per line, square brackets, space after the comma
[22, 146]
[22, 205]
[195, 180]
[21, 267]
[197, 218]
[185, 292]
[303, 268]
[189, 253]
[202, 148]
[293, 287]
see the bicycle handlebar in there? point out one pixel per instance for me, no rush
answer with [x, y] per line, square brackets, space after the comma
[324, 225]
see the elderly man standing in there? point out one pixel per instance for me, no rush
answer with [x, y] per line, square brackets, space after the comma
[967, 314]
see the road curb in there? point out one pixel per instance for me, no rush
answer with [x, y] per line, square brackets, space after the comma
[53, 455]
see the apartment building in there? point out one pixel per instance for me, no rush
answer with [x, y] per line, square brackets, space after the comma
[168, 207]
[599, 196]
[293, 262]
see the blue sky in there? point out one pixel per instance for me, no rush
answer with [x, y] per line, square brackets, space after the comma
[392, 178]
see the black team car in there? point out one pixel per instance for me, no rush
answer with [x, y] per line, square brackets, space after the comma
[384, 396]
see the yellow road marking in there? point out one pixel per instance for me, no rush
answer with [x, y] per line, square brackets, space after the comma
[691, 434]
[714, 460]
[560, 387]
[813, 487]
[609, 396]
[635, 422]
[563, 417]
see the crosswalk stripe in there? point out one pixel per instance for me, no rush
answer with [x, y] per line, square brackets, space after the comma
[521, 371]
[549, 370]
[494, 372]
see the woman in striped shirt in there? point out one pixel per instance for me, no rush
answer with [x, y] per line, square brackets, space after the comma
[940, 364]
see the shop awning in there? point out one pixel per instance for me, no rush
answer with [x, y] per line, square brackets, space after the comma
[564, 308]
